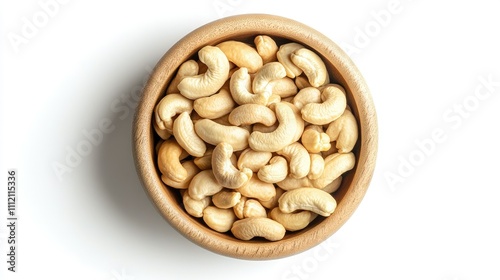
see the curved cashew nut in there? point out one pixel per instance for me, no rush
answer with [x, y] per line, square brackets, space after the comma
[191, 170]
[333, 186]
[242, 55]
[249, 228]
[163, 133]
[240, 86]
[266, 47]
[313, 66]
[187, 69]
[300, 124]
[214, 133]
[305, 96]
[267, 73]
[253, 160]
[257, 189]
[186, 136]
[315, 140]
[298, 159]
[169, 106]
[284, 57]
[226, 199]
[284, 87]
[290, 183]
[270, 204]
[292, 221]
[212, 80]
[335, 165]
[249, 208]
[334, 104]
[311, 199]
[301, 82]
[224, 171]
[214, 106]
[275, 171]
[281, 137]
[170, 155]
[252, 113]
[220, 220]
[317, 166]
[203, 185]
[344, 130]
[194, 207]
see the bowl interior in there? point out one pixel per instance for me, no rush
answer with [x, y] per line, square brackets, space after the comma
[342, 71]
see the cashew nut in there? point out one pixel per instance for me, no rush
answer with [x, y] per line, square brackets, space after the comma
[312, 65]
[311, 199]
[240, 86]
[275, 171]
[220, 220]
[203, 184]
[267, 73]
[249, 228]
[257, 189]
[226, 199]
[305, 96]
[224, 171]
[253, 160]
[214, 106]
[270, 204]
[163, 133]
[186, 136]
[284, 57]
[334, 104]
[290, 183]
[241, 54]
[170, 155]
[204, 162]
[252, 113]
[335, 165]
[344, 130]
[247, 208]
[191, 170]
[317, 166]
[333, 186]
[169, 106]
[284, 87]
[214, 133]
[266, 47]
[300, 124]
[212, 80]
[279, 138]
[188, 68]
[298, 159]
[315, 140]
[194, 207]
[292, 221]
[301, 82]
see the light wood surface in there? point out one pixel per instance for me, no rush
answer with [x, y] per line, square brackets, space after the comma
[342, 70]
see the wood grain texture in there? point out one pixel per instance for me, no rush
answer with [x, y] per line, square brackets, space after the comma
[342, 70]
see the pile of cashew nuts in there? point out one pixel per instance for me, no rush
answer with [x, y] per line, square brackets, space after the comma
[255, 137]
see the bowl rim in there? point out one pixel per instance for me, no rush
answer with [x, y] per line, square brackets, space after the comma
[241, 26]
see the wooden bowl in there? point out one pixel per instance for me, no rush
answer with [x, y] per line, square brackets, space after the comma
[342, 71]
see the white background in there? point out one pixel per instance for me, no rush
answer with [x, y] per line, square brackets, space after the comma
[82, 61]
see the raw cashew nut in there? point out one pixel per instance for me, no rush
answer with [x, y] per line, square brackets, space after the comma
[270, 204]
[163, 133]
[344, 130]
[312, 199]
[194, 207]
[212, 80]
[333, 186]
[191, 170]
[248, 208]
[335, 165]
[269, 72]
[204, 184]
[214, 133]
[300, 124]
[275, 171]
[186, 136]
[334, 104]
[240, 86]
[252, 113]
[170, 155]
[214, 106]
[220, 220]
[290, 183]
[315, 140]
[224, 171]
[284, 57]
[284, 87]
[305, 96]
[253, 160]
[312, 65]
[266, 47]
[292, 221]
[279, 138]
[298, 159]
[226, 199]
[257, 189]
[188, 68]
[169, 106]
[242, 55]
[317, 166]
[249, 228]
[301, 82]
